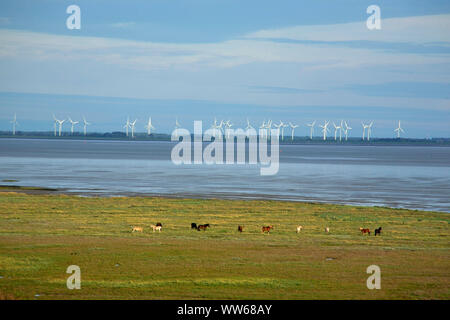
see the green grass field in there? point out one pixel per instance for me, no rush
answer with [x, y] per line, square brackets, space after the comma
[41, 235]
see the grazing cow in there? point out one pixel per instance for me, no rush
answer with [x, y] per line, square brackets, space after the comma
[299, 228]
[139, 229]
[202, 227]
[159, 224]
[378, 231]
[156, 228]
[266, 229]
[240, 228]
[327, 230]
[193, 225]
[364, 231]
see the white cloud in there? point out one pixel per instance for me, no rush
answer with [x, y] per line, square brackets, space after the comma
[421, 29]
[223, 71]
[154, 55]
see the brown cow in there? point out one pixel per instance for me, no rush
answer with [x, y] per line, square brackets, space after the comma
[202, 227]
[364, 231]
[267, 229]
[240, 228]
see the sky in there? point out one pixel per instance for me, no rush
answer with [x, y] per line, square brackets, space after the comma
[295, 61]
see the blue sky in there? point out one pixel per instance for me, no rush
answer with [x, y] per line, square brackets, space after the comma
[285, 60]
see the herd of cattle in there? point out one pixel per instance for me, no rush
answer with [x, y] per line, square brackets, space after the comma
[265, 229]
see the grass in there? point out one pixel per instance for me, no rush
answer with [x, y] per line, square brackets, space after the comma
[41, 235]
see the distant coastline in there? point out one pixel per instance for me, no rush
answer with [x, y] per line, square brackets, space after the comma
[304, 140]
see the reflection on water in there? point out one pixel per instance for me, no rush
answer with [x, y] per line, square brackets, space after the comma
[406, 177]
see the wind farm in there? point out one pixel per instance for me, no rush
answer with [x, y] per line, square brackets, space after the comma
[341, 131]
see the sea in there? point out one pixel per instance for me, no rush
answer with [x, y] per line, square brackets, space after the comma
[412, 177]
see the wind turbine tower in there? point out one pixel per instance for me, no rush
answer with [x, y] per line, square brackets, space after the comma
[262, 128]
[73, 123]
[60, 122]
[311, 131]
[127, 125]
[228, 124]
[268, 127]
[292, 130]
[177, 124]
[14, 123]
[216, 127]
[54, 124]
[132, 124]
[85, 125]
[365, 126]
[399, 129]
[336, 128]
[369, 130]
[347, 128]
[281, 126]
[149, 126]
[325, 129]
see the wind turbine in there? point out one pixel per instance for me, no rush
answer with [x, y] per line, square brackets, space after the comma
[312, 124]
[149, 126]
[216, 127]
[14, 123]
[220, 127]
[60, 122]
[85, 123]
[73, 123]
[347, 127]
[54, 124]
[228, 125]
[325, 129]
[292, 130]
[263, 126]
[369, 130]
[268, 127]
[399, 129]
[132, 124]
[336, 128]
[177, 124]
[365, 126]
[127, 125]
[249, 126]
[281, 125]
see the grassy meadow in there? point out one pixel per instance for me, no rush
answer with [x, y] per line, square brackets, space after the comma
[42, 234]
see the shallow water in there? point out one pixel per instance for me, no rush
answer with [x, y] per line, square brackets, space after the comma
[413, 177]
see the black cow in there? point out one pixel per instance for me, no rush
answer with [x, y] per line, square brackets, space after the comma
[378, 231]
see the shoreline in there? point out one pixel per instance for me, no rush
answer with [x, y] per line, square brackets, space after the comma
[30, 190]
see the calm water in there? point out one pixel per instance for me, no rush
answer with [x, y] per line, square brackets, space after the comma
[402, 177]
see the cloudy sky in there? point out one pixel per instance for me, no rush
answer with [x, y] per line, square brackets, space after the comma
[196, 59]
